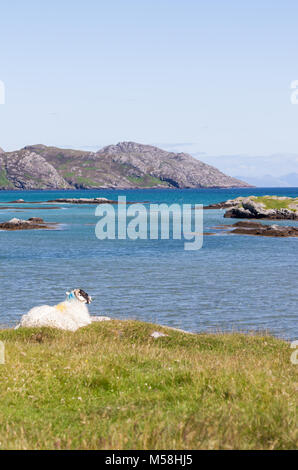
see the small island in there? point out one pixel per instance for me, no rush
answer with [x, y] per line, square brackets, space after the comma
[30, 224]
[247, 227]
[73, 200]
[259, 207]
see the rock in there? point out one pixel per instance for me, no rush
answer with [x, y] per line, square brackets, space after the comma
[225, 204]
[257, 209]
[20, 224]
[157, 334]
[248, 224]
[239, 213]
[37, 220]
[16, 221]
[98, 319]
[83, 200]
[261, 208]
[25, 169]
[265, 230]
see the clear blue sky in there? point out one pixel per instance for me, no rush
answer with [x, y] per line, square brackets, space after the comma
[201, 76]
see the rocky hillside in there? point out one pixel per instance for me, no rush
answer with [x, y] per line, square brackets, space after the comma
[28, 170]
[125, 165]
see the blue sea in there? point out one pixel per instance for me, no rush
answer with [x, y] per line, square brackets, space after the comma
[234, 283]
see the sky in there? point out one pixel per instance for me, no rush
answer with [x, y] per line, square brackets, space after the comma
[211, 78]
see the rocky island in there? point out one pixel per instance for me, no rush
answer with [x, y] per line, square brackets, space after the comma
[122, 166]
[30, 224]
[73, 200]
[83, 200]
[259, 207]
[247, 227]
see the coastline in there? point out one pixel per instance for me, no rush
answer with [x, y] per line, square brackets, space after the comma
[202, 305]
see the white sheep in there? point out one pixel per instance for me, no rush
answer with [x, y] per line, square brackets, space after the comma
[68, 315]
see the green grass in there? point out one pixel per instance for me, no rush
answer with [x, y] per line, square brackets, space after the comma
[80, 179]
[69, 174]
[4, 181]
[86, 181]
[271, 203]
[146, 181]
[112, 386]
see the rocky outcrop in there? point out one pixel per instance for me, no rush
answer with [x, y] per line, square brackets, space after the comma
[259, 207]
[253, 228]
[125, 165]
[250, 208]
[29, 170]
[248, 227]
[225, 204]
[83, 200]
[20, 224]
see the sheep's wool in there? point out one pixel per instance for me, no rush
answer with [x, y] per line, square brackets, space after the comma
[69, 315]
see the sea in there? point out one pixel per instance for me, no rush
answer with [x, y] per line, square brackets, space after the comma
[233, 283]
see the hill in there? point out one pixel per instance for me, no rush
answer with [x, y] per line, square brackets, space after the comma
[125, 165]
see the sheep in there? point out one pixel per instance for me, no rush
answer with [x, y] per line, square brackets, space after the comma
[68, 315]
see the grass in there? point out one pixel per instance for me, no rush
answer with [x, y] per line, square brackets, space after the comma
[86, 181]
[112, 386]
[272, 203]
[80, 179]
[4, 181]
[146, 181]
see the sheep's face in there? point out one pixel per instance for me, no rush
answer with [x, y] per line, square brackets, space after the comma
[82, 296]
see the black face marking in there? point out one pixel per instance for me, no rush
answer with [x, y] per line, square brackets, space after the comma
[85, 295]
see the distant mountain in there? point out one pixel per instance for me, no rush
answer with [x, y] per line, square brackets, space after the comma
[125, 165]
[269, 181]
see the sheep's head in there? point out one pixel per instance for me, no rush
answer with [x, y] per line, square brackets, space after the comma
[80, 295]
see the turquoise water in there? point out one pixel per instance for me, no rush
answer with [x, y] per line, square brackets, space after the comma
[233, 283]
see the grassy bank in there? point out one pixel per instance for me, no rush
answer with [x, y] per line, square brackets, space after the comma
[112, 386]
